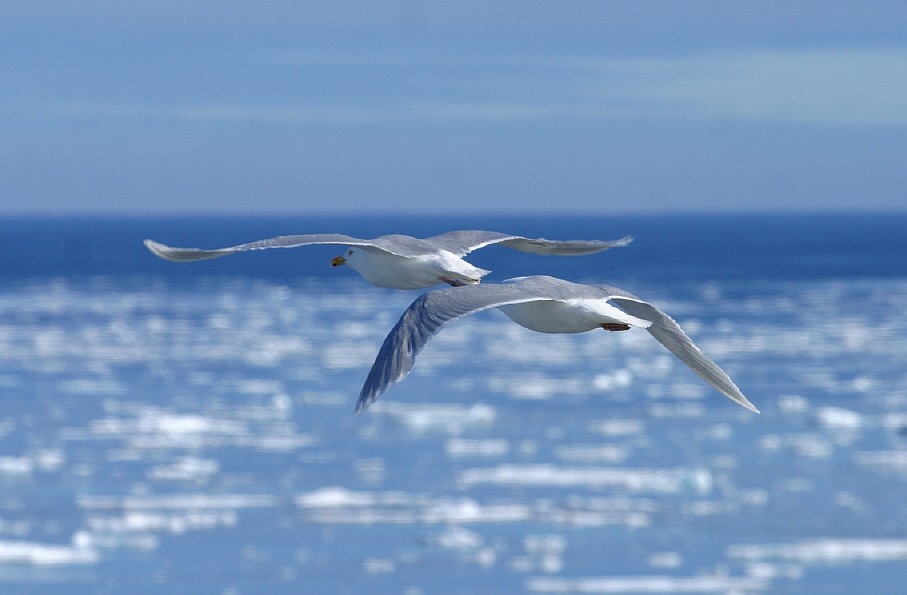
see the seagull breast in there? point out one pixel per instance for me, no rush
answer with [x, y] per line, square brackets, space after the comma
[383, 269]
[569, 316]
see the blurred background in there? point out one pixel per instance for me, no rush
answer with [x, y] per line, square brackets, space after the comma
[432, 107]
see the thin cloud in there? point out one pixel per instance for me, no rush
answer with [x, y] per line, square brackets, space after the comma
[211, 113]
[835, 87]
[860, 87]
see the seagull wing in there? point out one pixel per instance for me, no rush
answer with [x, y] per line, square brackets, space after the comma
[667, 332]
[462, 243]
[189, 254]
[423, 320]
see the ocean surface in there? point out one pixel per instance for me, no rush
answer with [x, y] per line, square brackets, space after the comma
[189, 428]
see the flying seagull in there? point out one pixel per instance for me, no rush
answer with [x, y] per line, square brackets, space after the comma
[543, 304]
[404, 262]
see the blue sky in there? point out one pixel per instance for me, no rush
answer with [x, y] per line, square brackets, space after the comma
[203, 107]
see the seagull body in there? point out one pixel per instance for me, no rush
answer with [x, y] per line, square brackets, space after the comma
[543, 304]
[404, 262]
[383, 268]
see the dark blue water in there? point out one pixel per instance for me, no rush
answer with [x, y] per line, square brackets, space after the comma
[698, 248]
[188, 427]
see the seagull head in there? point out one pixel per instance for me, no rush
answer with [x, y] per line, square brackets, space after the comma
[341, 260]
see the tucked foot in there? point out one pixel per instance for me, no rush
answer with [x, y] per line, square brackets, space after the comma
[615, 326]
[459, 282]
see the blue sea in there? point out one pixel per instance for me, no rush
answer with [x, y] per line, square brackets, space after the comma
[189, 428]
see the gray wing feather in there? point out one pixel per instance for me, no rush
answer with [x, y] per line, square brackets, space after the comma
[667, 332]
[423, 320]
[463, 242]
[190, 254]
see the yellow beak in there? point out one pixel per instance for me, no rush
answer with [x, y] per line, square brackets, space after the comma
[337, 261]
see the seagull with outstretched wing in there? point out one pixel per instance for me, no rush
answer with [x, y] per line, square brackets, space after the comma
[405, 262]
[543, 304]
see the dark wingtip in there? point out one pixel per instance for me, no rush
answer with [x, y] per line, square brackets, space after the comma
[363, 403]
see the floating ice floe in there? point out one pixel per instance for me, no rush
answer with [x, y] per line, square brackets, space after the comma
[185, 469]
[826, 551]
[178, 501]
[461, 447]
[40, 554]
[675, 480]
[448, 418]
[592, 453]
[617, 427]
[838, 418]
[647, 584]
[338, 505]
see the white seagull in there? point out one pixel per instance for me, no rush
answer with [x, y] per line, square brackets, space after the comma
[404, 262]
[543, 304]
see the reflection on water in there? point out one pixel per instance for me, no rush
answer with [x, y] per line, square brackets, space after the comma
[201, 439]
